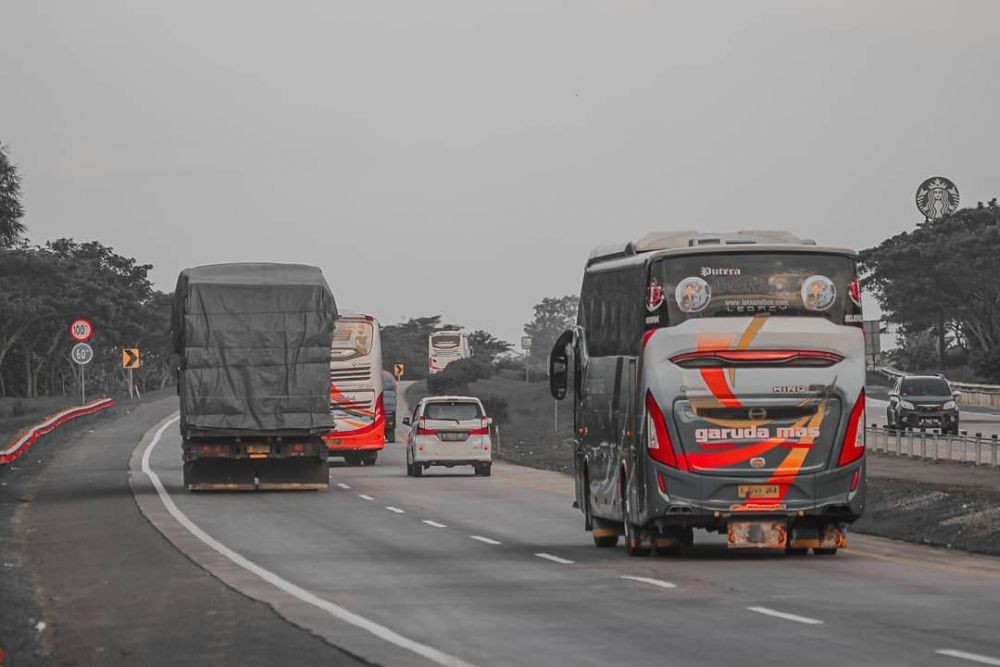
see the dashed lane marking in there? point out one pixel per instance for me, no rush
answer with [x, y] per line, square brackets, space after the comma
[484, 540]
[652, 582]
[787, 617]
[364, 496]
[555, 559]
[343, 486]
[395, 509]
[971, 657]
[434, 523]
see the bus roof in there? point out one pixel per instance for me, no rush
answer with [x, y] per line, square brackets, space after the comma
[688, 242]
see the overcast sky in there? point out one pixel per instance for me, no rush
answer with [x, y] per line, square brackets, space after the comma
[463, 157]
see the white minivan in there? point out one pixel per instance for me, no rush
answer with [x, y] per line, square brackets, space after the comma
[448, 431]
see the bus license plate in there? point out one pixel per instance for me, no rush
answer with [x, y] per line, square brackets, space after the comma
[454, 436]
[758, 491]
[757, 535]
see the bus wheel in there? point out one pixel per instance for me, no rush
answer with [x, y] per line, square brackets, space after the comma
[369, 459]
[825, 551]
[633, 546]
[352, 459]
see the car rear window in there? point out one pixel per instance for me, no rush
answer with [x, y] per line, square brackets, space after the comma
[925, 386]
[453, 410]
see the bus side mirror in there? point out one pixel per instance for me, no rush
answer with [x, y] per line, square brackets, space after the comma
[956, 395]
[559, 366]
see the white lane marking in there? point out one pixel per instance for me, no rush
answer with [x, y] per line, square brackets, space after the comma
[395, 509]
[343, 486]
[787, 617]
[555, 559]
[484, 540]
[335, 610]
[647, 580]
[971, 657]
[434, 523]
[364, 496]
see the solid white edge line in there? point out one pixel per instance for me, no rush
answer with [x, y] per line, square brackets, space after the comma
[338, 612]
[434, 523]
[395, 509]
[364, 496]
[555, 559]
[484, 540]
[971, 657]
[787, 617]
[647, 580]
[343, 486]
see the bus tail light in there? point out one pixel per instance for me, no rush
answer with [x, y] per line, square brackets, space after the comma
[658, 443]
[379, 408]
[854, 439]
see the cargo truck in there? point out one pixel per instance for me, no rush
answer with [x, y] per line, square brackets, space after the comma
[253, 342]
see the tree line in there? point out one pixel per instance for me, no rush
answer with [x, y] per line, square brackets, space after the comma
[940, 283]
[43, 287]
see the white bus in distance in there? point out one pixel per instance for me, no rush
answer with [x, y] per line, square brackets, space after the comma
[446, 346]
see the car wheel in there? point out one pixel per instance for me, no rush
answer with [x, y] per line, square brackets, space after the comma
[486, 470]
[418, 470]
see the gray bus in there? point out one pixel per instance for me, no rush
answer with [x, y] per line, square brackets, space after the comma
[717, 382]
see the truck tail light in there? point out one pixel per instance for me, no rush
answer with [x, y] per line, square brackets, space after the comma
[853, 447]
[658, 443]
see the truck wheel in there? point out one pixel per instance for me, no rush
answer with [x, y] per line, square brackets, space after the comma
[829, 551]
[390, 435]
[605, 541]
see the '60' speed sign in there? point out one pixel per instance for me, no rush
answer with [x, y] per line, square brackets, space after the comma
[81, 330]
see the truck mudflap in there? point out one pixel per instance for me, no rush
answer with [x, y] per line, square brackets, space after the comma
[298, 474]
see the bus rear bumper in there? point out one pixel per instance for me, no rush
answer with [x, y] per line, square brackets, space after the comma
[693, 500]
[338, 445]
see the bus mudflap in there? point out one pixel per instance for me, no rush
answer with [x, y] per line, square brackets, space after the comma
[757, 534]
[808, 537]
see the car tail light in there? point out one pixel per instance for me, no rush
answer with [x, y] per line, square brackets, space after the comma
[422, 428]
[854, 439]
[297, 448]
[658, 439]
[856, 291]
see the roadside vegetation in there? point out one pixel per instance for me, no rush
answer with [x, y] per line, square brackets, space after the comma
[939, 285]
[43, 287]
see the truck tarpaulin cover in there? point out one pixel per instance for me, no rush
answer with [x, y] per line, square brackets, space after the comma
[254, 345]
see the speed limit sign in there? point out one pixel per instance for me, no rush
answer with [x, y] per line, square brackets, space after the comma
[81, 330]
[82, 354]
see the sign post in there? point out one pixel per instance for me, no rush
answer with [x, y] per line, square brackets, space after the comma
[130, 361]
[82, 354]
[526, 346]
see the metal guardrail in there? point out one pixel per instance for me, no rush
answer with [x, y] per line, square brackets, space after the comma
[928, 445]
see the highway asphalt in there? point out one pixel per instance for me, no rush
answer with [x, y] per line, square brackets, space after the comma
[456, 569]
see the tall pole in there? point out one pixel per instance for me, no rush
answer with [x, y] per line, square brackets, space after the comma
[131, 391]
[83, 385]
[526, 365]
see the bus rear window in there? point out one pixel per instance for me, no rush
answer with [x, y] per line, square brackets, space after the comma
[740, 284]
[352, 338]
[446, 341]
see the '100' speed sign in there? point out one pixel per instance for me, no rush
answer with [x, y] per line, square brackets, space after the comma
[81, 330]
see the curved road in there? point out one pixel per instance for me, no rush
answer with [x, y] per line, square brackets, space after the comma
[455, 569]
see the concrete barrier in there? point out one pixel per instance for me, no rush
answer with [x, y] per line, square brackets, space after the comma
[26, 438]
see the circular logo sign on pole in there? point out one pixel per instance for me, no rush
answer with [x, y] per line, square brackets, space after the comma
[82, 354]
[81, 330]
[936, 198]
